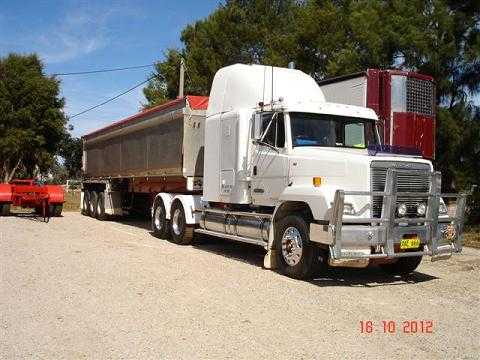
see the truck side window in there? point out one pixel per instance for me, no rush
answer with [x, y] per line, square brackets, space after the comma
[269, 137]
[276, 133]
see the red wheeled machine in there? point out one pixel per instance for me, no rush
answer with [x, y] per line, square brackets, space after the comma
[47, 200]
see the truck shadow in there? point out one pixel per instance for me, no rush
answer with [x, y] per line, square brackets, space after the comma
[371, 276]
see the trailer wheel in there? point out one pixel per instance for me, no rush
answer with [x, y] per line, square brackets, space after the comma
[295, 254]
[160, 224]
[182, 234]
[100, 214]
[4, 209]
[57, 210]
[93, 198]
[86, 203]
[402, 266]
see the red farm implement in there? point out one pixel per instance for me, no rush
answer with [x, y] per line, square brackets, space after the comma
[47, 200]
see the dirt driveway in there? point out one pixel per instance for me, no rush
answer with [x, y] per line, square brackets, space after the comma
[80, 288]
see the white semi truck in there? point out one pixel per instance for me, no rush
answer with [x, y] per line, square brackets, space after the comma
[269, 162]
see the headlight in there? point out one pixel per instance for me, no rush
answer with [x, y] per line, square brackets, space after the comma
[421, 209]
[402, 209]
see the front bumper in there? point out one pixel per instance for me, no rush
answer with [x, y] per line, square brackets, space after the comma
[380, 237]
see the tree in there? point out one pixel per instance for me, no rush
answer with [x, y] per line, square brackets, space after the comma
[32, 123]
[238, 31]
[71, 150]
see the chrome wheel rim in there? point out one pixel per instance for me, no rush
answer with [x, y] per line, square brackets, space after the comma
[292, 246]
[158, 217]
[177, 222]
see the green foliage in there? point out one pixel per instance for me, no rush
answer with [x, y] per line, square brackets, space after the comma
[32, 123]
[237, 32]
[71, 151]
[331, 37]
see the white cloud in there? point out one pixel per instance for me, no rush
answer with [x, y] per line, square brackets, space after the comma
[79, 33]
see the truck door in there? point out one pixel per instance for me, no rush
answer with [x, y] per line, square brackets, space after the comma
[269, 171]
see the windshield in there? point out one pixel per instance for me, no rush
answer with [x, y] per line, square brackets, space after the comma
[310, 129]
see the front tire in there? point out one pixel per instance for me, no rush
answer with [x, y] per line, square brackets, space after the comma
[402, 266]
[182, 234]
[160, 224]
[295, 254]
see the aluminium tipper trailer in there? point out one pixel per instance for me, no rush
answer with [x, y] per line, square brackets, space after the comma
[158, 150]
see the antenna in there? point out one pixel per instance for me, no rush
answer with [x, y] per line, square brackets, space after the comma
[182, 78]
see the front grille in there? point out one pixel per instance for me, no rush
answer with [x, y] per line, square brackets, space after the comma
[420, 96]
[405, 183]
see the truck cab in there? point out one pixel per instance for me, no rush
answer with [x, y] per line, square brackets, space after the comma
[313, 182]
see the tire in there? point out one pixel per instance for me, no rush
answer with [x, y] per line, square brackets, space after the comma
[295, 254]
[92, 204]
[57, 210]
[100, 214]
[4, 209]
[181, 233]
[403, 266]
[160, 224]
[54, 210]
[86, 203]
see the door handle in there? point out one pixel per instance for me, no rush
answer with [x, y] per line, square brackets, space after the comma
[255, 170]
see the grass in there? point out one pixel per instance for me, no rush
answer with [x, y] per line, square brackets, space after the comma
[72, 200]
[472, 236]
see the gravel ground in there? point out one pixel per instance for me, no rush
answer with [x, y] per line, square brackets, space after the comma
[80, 288]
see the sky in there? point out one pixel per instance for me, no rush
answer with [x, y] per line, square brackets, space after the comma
[71, 36]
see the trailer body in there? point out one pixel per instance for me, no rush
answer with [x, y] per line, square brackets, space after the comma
[158, 150]
[404, 102]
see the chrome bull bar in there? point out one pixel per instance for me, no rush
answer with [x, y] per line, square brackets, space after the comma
[390, 228]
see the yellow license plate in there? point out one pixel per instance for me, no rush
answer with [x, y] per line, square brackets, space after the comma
[410, 243]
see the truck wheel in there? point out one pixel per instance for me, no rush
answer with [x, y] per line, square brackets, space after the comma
[182, 234]
[160, 224]
[4, 209]
[295, 254]
[92, 208]
[100, 214]
[86, 203]
[402, 266]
